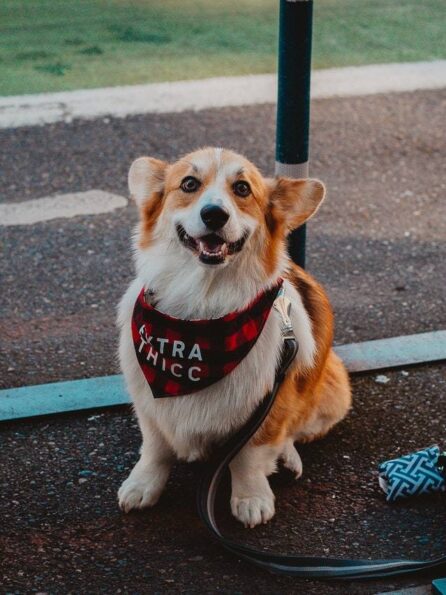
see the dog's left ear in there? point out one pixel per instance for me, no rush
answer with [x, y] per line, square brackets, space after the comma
[146, 176]
[292, 202]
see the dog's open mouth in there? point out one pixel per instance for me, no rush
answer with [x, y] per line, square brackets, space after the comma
[211, 248]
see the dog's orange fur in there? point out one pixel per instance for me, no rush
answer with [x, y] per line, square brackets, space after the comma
[322, 391]
[151, 209]
[316, 398]
[321, 395]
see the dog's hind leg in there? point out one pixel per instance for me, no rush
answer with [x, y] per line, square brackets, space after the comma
[291, 458]
[144, 485]
[252, 500]
[333, 402]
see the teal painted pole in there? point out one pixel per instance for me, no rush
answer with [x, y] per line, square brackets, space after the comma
[293, 102]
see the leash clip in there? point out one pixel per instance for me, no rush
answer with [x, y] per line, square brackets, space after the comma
[149, 297]
[282, 305]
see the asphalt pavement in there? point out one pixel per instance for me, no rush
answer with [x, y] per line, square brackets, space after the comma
[62, 531]
[378, 245]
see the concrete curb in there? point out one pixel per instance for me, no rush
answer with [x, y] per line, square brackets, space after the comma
[108, 391]
[119, 102]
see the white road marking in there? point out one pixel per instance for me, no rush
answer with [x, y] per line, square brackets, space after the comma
[92, 202]
[31, 110]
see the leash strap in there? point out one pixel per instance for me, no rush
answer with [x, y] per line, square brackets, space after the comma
[290, 565]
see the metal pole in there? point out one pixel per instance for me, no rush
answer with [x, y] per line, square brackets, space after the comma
[293, 102]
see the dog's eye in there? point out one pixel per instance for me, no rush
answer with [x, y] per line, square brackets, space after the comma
[241, 188]
[190, 184]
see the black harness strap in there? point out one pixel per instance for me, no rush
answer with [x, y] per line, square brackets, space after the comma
[290, 565]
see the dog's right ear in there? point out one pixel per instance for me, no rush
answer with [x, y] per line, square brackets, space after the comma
[146, 176]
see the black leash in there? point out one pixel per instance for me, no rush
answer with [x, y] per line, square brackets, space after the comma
[312, 567]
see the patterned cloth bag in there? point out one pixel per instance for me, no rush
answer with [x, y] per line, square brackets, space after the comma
[421, 472]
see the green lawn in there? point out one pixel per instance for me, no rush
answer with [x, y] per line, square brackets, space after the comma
[52, 45]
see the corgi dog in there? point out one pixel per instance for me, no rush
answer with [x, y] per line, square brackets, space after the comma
[211, 239]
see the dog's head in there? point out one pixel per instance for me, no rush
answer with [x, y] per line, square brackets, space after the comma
[216, 206]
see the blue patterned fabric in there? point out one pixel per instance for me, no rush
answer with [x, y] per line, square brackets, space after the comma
[413, 474]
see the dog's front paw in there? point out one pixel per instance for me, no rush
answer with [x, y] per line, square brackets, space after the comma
[141, 489]
[254, 510]
[137, 494]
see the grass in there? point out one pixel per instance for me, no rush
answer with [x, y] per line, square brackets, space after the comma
[53, 45]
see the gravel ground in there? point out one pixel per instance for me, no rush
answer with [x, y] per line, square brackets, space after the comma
[377, 245]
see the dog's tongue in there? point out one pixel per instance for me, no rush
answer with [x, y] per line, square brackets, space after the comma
[212, 244]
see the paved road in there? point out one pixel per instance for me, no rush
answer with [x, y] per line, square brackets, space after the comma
[378, 245]
[62, 532]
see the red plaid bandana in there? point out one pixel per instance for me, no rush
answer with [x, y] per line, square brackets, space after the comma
[179, 357]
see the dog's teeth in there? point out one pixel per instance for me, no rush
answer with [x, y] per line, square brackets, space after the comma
[217, 252]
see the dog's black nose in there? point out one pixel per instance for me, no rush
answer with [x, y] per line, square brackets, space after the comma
[214, 216]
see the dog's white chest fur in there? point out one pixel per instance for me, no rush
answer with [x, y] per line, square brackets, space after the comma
[191, 423]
